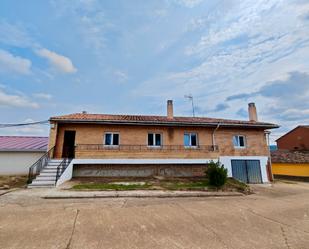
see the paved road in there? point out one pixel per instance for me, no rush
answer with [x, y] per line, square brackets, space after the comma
[274, 217]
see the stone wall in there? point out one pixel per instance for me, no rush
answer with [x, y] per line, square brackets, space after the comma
[122, 170]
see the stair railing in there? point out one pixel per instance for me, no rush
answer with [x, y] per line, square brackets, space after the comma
[62, 167]
[40, 164]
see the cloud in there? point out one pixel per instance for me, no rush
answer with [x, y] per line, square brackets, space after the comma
[288, 97]
[188, 3]
[60, 62]
[89, 19]
[11, 100]
[296, 86]
[15, 64]
[120, 76]
[14, 35]
[45, 96]
[30, 130]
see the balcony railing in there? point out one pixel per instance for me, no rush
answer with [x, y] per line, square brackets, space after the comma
[101, 147]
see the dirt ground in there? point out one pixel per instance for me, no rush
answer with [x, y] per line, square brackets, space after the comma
[274, 217]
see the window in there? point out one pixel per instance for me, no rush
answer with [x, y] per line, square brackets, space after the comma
[111, 139]
[154, 139]
[239, 141]
[190, 139]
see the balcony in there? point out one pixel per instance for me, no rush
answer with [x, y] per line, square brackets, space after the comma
[144, 151]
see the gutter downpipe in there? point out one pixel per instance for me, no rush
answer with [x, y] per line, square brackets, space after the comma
[267, 133]
[213, 137]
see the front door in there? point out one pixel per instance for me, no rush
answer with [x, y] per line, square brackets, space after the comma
[68, 150]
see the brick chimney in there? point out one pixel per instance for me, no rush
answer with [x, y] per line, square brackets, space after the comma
[252, 112]
[170, 112]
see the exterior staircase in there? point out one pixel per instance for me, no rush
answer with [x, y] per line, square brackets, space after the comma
[47, 176]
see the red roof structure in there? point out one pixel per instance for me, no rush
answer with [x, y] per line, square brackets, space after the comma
[23, 143]
[156, 120]
[286, 156]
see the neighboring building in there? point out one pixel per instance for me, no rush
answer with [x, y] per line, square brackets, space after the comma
[296, 139]
[18, 153]
[138, 145]
[290, 163]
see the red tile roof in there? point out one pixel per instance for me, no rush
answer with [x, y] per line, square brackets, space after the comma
[156, 120]
[286, 156]
[23, 143]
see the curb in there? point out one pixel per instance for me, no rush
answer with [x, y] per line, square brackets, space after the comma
[159, 195]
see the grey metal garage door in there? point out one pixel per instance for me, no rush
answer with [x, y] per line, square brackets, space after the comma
[248, 171]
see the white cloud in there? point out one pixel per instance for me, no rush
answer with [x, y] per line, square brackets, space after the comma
[120, 76]
[14, 35]
[29, 130]
[14, 100]
[60, 62]
[45, 96]
[189, 3]
[89, 19]
[14, 64]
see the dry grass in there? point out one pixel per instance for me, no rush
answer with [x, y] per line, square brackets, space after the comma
[14, 181]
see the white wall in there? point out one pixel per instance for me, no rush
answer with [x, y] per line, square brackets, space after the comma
[17, 163]
[226, 161]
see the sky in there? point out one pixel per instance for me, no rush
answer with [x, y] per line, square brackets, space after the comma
[129, 57]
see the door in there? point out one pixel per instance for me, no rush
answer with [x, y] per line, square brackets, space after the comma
[248, 171]
[68, 150]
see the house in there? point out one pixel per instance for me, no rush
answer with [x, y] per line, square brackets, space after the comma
[17, 153]
[292, 157]
[296, 139]
[103, 145]
[288, 163]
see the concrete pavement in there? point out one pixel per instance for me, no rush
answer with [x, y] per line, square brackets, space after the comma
[275, 217]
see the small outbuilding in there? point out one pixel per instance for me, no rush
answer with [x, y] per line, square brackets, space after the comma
[18, 153]
[290, 163]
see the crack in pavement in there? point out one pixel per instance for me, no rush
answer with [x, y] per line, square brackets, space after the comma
[285, 237]
[275, 221]
[203, 225]
[73, 229]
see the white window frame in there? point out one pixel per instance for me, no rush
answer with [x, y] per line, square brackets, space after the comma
[112, 133]
[238, 141]
[190, 134]
[154, 139]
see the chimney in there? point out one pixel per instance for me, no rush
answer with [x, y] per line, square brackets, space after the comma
[170, 112]
[252, 112]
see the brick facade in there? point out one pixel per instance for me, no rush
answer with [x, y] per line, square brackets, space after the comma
[137, 135]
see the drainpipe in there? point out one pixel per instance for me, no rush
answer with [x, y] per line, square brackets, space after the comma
[213, 137]
[267, 133]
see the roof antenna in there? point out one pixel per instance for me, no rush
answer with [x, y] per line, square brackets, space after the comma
[190, 97]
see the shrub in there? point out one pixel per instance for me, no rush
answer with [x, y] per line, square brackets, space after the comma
[216, 174]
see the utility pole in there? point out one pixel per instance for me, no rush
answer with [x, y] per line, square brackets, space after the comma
[190, 97]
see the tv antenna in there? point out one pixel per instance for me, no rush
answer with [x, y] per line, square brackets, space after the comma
[190, 97]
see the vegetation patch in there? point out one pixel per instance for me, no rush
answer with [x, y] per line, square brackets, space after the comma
[16, 181]
[110, 186]
[181, 184]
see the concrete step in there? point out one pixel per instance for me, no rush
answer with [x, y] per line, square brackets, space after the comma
[45, 178]
[35, 182]
[48, 173]
[51, 167]
[45, 170]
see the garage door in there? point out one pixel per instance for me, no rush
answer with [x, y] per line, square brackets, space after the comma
[248, 171]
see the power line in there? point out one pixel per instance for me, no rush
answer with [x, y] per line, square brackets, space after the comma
[24, 124]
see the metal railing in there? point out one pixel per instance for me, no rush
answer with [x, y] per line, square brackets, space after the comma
[37, 167]
[101, 147]
[62, 167]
